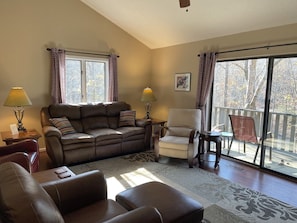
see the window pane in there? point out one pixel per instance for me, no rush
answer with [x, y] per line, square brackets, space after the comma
[281, 152]
[95, 81]
[239, 88]
[73, 81]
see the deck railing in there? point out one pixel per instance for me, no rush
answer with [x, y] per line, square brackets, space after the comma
[282, 126]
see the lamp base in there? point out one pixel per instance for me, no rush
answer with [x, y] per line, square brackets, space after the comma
[148, 108]
[19, 114]
[21, 128]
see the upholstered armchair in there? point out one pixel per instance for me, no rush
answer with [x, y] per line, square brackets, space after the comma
[25, 153]
[181, 137]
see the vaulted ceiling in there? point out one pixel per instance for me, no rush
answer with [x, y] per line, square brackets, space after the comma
[162, 23]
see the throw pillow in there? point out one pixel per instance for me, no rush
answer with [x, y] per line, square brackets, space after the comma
[63, 125]
[127, 118]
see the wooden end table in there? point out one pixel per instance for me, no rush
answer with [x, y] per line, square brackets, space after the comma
[53, 174]
[8, 138]
[210, 137]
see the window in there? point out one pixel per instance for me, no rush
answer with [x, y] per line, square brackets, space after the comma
[86, 79]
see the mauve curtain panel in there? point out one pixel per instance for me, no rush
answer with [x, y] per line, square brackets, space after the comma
[205, 79]
[113, 78]
[57, 75]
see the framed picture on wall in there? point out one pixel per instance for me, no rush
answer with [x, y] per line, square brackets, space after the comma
[182, 81]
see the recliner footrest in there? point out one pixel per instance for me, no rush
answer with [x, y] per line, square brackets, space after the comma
[173, 205]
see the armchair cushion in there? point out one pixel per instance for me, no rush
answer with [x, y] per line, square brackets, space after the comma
[179, 131]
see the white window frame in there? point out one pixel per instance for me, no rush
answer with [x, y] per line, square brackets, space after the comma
[83, 60]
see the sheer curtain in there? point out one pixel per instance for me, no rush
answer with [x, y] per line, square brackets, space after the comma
[205, 79]
[57, 75]
[113, 78]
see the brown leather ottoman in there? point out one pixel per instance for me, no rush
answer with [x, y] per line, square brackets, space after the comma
[173, 205]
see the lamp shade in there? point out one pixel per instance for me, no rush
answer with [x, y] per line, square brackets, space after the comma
[17, 97]
[148, 95]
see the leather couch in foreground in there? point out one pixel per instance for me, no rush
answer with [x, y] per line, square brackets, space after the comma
[82, 198]
[81, 133]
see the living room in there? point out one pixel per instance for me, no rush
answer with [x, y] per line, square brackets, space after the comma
[29, 28]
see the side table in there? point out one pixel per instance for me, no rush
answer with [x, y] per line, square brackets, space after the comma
[53, 174]
[156, 125]
[210, 137]
[8, 138]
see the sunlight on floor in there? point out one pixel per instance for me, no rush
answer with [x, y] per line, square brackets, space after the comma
[128, 180]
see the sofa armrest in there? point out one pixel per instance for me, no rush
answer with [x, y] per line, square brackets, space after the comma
[142, 214]
[20, 158]
[49, 131]
[76, 192]
[143, 122]
[27, 146]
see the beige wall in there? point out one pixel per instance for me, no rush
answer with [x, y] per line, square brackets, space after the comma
[29, 27]
[183, 58]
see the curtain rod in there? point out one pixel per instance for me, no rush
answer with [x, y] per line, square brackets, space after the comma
[87, 53]
[255, 48]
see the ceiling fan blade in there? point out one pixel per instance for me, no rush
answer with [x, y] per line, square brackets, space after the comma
[184, 3]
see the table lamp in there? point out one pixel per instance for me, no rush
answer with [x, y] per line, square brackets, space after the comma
[148, 97]
[18, 98]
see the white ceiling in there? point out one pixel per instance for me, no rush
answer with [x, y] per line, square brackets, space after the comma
[162, 23]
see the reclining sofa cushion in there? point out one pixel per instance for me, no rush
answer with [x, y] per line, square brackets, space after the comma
[113, 113]
[23, 199]
[94, 117]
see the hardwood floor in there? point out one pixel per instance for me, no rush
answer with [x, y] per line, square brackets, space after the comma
[273, 185]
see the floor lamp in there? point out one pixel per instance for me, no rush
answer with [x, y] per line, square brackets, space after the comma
[18, 98]
[148, 97]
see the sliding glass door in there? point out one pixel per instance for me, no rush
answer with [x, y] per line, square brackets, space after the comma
[280, 147]
[265, 90]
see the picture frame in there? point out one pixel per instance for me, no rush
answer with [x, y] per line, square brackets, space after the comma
[182, 82]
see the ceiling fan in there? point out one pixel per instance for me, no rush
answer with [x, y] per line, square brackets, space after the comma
[184, 3]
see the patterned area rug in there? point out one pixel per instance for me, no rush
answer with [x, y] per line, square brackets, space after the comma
[222, 199]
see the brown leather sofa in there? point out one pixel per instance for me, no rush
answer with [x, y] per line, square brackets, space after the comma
[97, 132]
[82, 198]
[25, 152]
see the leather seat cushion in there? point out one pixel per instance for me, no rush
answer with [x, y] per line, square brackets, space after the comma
[128, 132]
[174, 142]
[105, 134]
[77, 138]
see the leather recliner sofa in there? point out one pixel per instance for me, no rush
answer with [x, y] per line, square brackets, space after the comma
[97, 134]
[82, 198]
